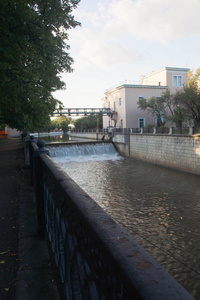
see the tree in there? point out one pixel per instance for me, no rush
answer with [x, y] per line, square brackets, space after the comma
[193, 77]
[174, 110]
[90, 122]
[168, 107]
[189, 100]
[155, 107]
[33, 52]
[179, 116]
[61, 123]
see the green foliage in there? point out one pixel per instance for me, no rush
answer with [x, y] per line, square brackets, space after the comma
[2, 126]
[90, 122]
[156, 108]
[149, 125]
[178, 108]
[174, 110]
[33, 52]
[189, 101]
[178, 116]
[170, 107]
[61, 123]
[193, 77]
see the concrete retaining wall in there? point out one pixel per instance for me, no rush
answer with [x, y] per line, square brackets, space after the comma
[122, 143]
[175, 151]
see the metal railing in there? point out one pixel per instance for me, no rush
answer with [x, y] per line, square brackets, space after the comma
[163, 130]
[83, 111]
[146, 130]
[94, 256]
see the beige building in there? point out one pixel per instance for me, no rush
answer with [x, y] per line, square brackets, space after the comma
[123, 98]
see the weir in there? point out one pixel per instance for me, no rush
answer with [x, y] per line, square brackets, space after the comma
[95, 258]
[87, 151]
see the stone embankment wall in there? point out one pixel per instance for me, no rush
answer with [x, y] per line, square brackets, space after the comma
[180, 152]
[176, 151]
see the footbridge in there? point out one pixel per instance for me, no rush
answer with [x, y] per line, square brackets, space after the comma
[83, 111]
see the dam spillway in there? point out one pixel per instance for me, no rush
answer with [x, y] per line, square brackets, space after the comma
[84, 152]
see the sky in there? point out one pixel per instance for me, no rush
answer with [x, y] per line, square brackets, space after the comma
[122, 40]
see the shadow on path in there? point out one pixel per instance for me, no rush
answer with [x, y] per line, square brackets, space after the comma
[25, 269]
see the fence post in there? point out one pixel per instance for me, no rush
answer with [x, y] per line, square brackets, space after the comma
[154, 130]
[191, 130]
[39, 186]
[32, 147]
[26, 150]
[171, 130]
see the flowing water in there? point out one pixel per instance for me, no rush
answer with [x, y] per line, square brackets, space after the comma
[159, 207]
[59, 138]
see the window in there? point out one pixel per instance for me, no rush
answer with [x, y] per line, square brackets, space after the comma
[177, 81]
[141, 97]
[141, 122]
[120, 101]
[121, 124]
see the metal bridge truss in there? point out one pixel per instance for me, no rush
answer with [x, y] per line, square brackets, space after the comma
[83, 111]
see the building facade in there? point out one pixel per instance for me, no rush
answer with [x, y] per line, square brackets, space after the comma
[122, 99]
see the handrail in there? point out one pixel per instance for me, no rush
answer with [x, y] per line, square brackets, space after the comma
[94, 256]
[149, 130]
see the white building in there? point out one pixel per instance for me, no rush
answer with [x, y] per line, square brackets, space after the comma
[123, 98]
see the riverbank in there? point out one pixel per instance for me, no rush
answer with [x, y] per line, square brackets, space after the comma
[26, 272]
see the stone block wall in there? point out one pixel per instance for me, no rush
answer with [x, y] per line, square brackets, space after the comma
[179, 152]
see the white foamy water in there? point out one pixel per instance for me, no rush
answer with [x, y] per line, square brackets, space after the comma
[85, 152]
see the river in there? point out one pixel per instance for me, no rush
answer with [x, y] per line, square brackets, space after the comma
[158, 207]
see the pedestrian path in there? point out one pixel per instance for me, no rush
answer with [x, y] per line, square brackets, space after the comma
[25, 268]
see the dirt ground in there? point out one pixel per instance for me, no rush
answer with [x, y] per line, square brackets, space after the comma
[10, 169]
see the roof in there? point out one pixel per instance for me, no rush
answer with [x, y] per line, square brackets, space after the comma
[169, 69]
[141, 86]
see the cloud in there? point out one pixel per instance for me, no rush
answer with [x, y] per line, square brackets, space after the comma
[160, 20]
[100, 52]
[110, 34]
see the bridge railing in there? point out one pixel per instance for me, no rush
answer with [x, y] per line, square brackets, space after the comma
[95, 258]
[84, 111]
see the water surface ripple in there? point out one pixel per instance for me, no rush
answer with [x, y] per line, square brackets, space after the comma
[159, 208]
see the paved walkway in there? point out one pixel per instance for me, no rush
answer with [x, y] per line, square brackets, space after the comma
[25, 269]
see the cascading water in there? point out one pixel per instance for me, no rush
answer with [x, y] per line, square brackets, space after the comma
[84, 152]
